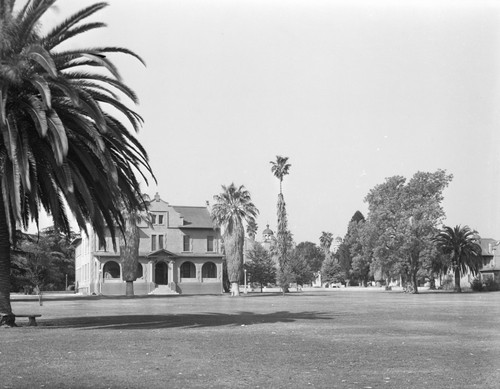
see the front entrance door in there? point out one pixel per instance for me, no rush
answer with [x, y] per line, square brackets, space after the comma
[161, 273]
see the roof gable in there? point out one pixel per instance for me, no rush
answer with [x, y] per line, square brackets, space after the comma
[194, 217]
[161, 251]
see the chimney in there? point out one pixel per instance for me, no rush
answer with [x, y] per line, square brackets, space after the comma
[157, 197]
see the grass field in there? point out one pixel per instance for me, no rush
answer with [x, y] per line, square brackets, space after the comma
[344, 338]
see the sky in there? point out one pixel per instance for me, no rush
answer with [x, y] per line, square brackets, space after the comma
[352, 92]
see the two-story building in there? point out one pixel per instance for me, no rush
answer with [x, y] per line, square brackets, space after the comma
[491, 259]
[179, 252]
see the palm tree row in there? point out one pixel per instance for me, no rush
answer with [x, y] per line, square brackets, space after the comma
[59, 146]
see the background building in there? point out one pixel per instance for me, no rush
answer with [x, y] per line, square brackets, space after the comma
[178, 253]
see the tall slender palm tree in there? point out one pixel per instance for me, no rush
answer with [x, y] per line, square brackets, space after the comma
[59, 148]
[233, 206]
[460, 244]
[280, 168]
[129, 243]
[325, 241]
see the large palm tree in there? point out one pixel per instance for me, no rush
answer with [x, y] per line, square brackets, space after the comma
[59, 148]
[233, 206]
[460, 244]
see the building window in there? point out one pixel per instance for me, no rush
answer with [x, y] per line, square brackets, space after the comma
[188, 270]
[160, 219]
[209, 270]
[160, 242]
[186, 243]
[210, 243]
[111, 270]
[153, 219]
[153, 242]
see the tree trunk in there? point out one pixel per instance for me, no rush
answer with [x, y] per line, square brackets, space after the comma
[233, 248]
[458, 289]
[235, 288]
[413, 271]
[432, 283]
[129, 289]
[129, 252]
[6, 316]
[414, 281]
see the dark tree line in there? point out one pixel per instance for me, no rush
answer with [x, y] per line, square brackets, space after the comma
[43, 262]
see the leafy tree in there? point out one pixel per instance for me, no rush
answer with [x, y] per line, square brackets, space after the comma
[311, 254]
[357, 217]
[281, 168]
[59, 149]
[233, 206]
[343, 257]
[460, 244]
[402, 221]
[260, 266]
[300, 268]
[43, 261]
[129, 243]
[331, 271]
[350, 248]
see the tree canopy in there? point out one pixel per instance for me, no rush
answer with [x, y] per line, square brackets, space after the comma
[61, 147]
[260, 266]
[402, 221]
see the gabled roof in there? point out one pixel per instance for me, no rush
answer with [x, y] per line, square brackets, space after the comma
[161, 251]
[195, 217]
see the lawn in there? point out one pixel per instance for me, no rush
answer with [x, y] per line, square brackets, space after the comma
[344, 338]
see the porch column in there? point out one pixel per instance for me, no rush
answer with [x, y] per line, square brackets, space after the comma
[151, 271]
[172, 272]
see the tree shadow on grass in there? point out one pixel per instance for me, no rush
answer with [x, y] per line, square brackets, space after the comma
[188, 320]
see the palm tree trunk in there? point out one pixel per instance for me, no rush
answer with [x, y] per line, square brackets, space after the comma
[233, 247]
[6, 315]
[129, 252]
[458, 289]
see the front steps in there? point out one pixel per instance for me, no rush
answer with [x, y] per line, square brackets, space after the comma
[161, 290]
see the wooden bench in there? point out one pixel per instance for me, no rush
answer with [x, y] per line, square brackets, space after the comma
[32, 319]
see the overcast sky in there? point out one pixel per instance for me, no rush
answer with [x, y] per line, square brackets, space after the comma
[352, 92]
